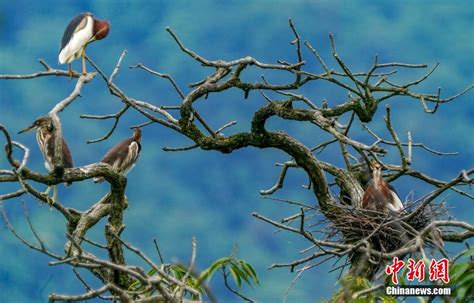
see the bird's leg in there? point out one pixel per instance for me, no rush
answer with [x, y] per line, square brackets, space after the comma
[83, 54]
[55, 194]
[69, 71]
[46, 192]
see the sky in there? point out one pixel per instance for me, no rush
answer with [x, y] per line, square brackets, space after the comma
[204, 194]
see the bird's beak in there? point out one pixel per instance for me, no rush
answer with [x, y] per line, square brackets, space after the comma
[27, 129]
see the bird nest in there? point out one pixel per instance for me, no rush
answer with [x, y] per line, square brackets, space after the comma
[382, 231]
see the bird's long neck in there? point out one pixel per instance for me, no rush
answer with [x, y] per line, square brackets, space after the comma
[46, 138]
[137, 135]
[43, 135]
[377, 176]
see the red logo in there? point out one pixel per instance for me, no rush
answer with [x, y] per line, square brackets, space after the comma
[394, 269]
[438, 270]
[416, 270]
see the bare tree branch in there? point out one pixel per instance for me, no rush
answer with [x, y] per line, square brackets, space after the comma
[333, 223]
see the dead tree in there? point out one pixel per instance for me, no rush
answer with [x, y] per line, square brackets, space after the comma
[366, 238]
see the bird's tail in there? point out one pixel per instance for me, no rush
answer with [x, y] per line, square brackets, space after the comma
[98, 179]
[65, 55]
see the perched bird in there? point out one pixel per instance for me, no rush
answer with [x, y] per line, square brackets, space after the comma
[122, 157]
[380, 195]
[81, 30]
[46, 137]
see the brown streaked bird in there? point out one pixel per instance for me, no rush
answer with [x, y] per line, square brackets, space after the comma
[46, 138]
[380, 195]
[122, 157]
[81, 30]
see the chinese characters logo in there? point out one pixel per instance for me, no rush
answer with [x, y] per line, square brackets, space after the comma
[438, 270]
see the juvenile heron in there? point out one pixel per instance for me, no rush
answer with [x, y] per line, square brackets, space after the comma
[46, 137]
[122, 157]
[380, 195]
[81, 30]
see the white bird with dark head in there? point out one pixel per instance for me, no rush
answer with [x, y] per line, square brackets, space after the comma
[81, 30]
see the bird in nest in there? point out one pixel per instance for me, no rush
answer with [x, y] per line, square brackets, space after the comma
[380, 195]
[122, 157]
[81, 30]
[46, 138]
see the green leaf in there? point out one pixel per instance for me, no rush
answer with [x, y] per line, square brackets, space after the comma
[458, 270]
[388, 299]
[151, 272]
[178, 271]
[402, 280]
[241, 273]
[250, 270]
[236, 276]
[469, 252]
[207, 274]
[461, 293]
[134, 285]
[222, 261]
[467, 279]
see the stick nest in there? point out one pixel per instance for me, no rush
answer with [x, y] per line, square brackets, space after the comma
[384, 232]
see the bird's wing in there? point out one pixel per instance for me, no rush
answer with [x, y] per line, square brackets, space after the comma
[67, 157]
[372, 198]
[49, 143]
[121, 157]
[76, 24]
[78, 40]
[117, 154]
[116, 151]
[392, 188]
[132, 156]
[392, 208]
[396, 203]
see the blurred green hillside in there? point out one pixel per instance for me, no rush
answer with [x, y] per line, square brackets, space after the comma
[175, 196]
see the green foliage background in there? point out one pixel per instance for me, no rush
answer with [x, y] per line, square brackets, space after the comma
[175, 196]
